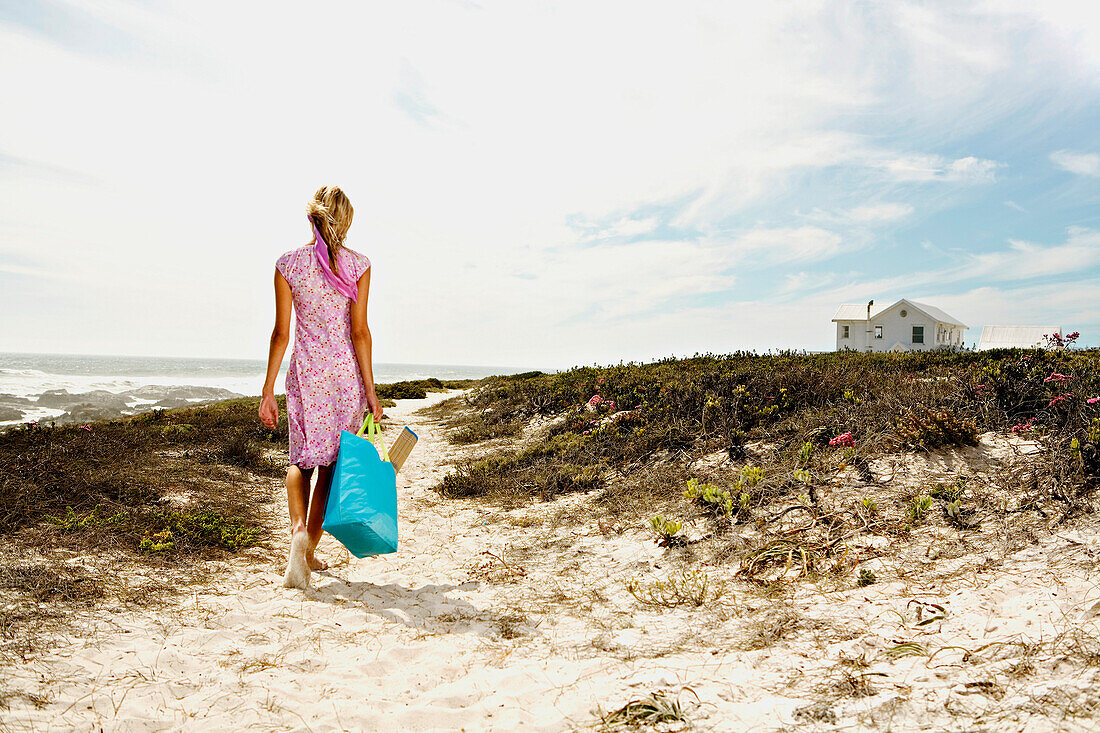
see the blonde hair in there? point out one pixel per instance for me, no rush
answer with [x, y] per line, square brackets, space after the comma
[331, 212]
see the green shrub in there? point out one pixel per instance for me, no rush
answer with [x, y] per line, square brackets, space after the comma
[675, 408]
[241, 450]
[558, 466]
[928, 429]
[418, 389]
[164, 531]
[178, 430]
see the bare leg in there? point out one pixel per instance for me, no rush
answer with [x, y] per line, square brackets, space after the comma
[318, 502]
[297, 496]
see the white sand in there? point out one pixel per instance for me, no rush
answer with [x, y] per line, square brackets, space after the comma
[441, 636]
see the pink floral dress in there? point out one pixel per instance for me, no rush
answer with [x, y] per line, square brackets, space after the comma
[324, 388]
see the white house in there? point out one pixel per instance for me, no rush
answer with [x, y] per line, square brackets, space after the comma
[1016, 337]
[903, 326]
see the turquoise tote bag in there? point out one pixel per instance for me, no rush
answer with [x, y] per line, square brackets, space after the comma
[362, 501]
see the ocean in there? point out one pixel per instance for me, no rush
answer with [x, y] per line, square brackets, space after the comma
[25, 377]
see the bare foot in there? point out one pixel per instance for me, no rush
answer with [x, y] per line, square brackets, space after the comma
[314, 563]
[297, 571]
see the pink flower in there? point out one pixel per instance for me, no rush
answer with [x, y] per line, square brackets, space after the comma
[1056, 377]
[611, 405]
[599, 381]
[586, 432]
[86, 427]
[596, 399]
[1058, 399]
[1022, 427]
[1093, 400]
[845, 439]
[1075, 335]
[637, 407]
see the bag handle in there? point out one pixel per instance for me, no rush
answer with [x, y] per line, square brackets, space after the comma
[373, 430]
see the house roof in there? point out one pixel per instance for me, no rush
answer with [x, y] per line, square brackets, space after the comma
[1014, 337]
[935, 313]
[852, 312]
[858, 312]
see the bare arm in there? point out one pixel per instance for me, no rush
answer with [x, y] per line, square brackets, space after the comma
[361, 341]
[280, 337]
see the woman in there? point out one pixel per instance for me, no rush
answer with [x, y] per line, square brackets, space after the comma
[330, 381]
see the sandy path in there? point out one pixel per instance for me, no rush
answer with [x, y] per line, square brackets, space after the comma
[400, 642]
[441, 636]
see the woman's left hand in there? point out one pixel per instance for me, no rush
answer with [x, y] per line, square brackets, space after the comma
[269, 411]
[374, 404]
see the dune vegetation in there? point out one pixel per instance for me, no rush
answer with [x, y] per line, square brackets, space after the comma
[792, 421]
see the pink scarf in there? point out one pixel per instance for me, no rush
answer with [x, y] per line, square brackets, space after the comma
[320, 251]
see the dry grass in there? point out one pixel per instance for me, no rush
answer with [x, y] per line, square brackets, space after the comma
[767, 629]
[657, 708]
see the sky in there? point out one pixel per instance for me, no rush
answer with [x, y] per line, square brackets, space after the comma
[546, 184]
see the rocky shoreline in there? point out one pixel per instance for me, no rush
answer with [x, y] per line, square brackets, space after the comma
[62, 407]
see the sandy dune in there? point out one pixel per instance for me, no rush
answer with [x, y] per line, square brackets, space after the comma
[521, 620]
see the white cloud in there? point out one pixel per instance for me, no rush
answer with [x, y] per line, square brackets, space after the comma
[880, 212]
[802, 244]
[921, 167]
[1083, 164]
[1026, 260]
[626, 227]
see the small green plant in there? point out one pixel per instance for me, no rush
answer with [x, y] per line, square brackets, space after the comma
[803, 476]
[866, 578]
[686, 588]
[712, 498]
[751, 475]
[666, 530]
[919, 506]
[952, 492]
[869, 505]
[805, 453]
[958, 516]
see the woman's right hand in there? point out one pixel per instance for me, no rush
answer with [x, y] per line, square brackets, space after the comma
[269, 410]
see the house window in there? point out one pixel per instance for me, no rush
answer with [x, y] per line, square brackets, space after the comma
[918, 334]
[878, 332]
[844, 331]
[904, 313]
